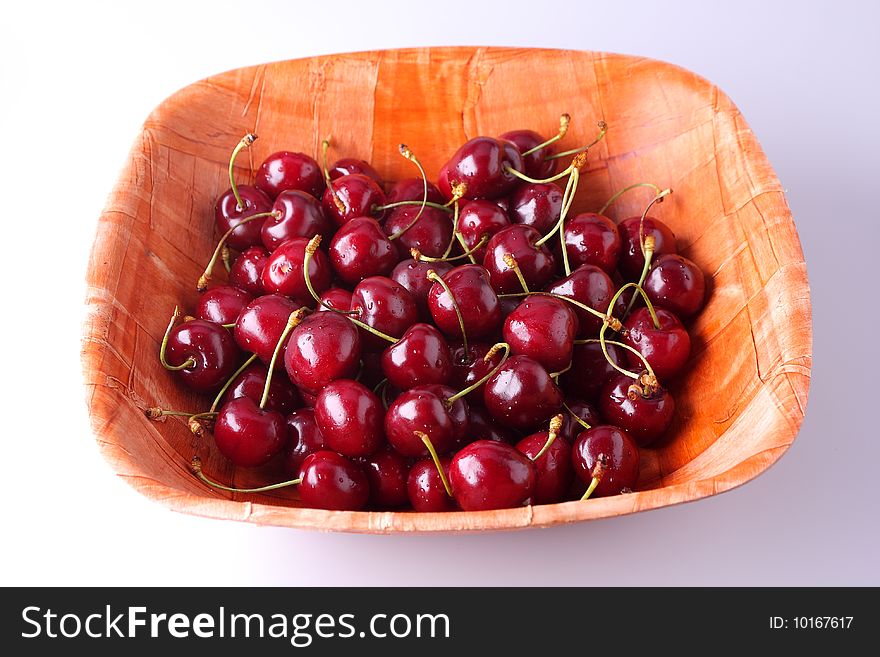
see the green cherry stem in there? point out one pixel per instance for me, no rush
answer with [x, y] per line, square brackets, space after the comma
[576, 417]
[434, 277]
[489, 355]
[325, 146]
[188, 363]
[564, 122]
[625, 346]
[567, 199]
[419, 257]
[645, 298]
[603, 128]
[202, 283]
[226, 256]
[555, 375]
[577, 163]
[292, 322]
[511, 262]
[155, 413]
[623, 191]
[598, 473]
[229, 381]
[245, 142]
[552, 434]
[606, 318]
[196, 465]
[433, 452]
[397, 204]
[409, 155]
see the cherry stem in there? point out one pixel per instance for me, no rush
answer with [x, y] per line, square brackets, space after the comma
[433, 452]
[511, 262]
[195, 425]
[598, 474]
[567, 199]
[409, 155]
[226, 256]
[648, 304]
[397, 204]
[577, 163]
[555, 375]
[623, 191]
[606, 318]
[564, 122]
[325, 146]
[229, 381]
[202, 283]
[155, 413]
[459, 189]
[489, 355]
[455, 231]
[379, 386]
[648, 254]
[576, 417]
[418, 257]
[292, 322]
[555, 427]
[189, 362]
[603, 128]
[196, 465]
[245, 142]
[433, 276]
[622, 345]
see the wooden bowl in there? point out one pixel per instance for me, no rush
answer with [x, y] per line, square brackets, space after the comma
[738, 408]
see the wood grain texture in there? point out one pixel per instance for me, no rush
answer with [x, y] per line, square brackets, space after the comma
[740, 405]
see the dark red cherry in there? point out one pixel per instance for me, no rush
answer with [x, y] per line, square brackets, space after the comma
[247, 271]
[571, 427]
[459, 410]
[643, 417]
[616, 455]
[481, 312]
[591, 286]
[304, 438]
[345, 166]
[425, 487]
[283, 273]
[248, 435]
[508, 305]
[491, 475]
[419, 410]
[284, 171]
[590, 369]
[420, 357]
[592, 239]
[481, 426]
[666, 348]
[535, 165]
[542, 328]
[350, 417]
[355, 195]
[261, 323]
[677, 284]
[323, 348]
[632, 261]
[481, 164]
[282, 397]
[553, 470]
[308, 398]
[371, 375]
[386, 306]
[521, 394]
[210, 346]
[300, 215]
[331, 481]
[335, 297]
[361, 249]
[469, 367]
[430, 234]
[222, 304]
[535, 262]
[414, 277]
[537, 205]
[387, 471]
[413, 189]
[477, 219]
[227, 215]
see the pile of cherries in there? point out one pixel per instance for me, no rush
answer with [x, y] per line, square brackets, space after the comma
[465, 345]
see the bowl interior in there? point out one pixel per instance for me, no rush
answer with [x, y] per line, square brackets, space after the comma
[738, 407]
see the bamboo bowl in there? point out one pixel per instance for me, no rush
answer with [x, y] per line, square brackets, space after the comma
[738, 407]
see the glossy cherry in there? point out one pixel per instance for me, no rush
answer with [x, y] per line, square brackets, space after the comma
[335, 297]
[361, 249]
[282, 396]
[352, 196]
[479, 219]
[387, 471]
[304, 438]
[425, 488]
[222, 304]
[677, 284]
[481, 426]
[430, 234]
[645, 417]
[632, 260]
[285, 170]
[247, 270]
[384, 305]
[260, 324]
[537, 205]
[248, 435]
[208, 347]
[477, 301]
[299, 215]
[469, 366]
[592, 239]
[228, 214]
[420, 357]
[521, 395]
[535, 262]
[535, 165]
[331, 481]
[349, 416]
[590, 369]
[414, 277]
[491, 475]
[585, 411]
[413, 189]
[553, 470]
[283, 273]
[323, 348]
[609, 454]
[482, 164]
[420, 409]
[542, 328]
[666, 348]
[591, 286]
[345, 166]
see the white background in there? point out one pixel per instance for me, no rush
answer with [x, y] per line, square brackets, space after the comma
[76, 81]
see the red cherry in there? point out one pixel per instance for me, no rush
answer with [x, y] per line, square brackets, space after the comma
[521, 394]
[535, 165]
[384, 305]
[283, 273]
[304, 438]
[632, 261]
[542, 328]
[590, 369]
[477, 301]
[608, 454]
[425, 488]
[361, 249]
[248, 435]
[535, 262]
[208, 348]
[414, 277]
[387, 471]
[355, 196]
[479, 219]
[247, 271]
[423, 410]
[677, 284]
[284, 171]
[228, 214]
[413, 189]
[644, 417]
[323, 348]
[491, 475]
[346, 166]
[222, 304]
[299, 215]
[592, 287]
[335, 297]
[469, 366]
[666, 348]
[349, 416]
[282, 397]
[481, 426]
[420, 357]
[571, 427]
[537, 205]
[482, 164]
[592, 239]
[553, 470]
[260, 324]
[430, 234]
[331, 481]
